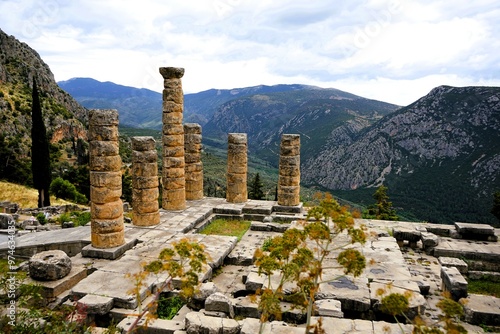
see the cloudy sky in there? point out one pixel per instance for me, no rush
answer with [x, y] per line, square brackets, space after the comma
[391, 50]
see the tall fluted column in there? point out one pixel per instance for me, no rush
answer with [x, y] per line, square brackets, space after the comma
[289, 171]
[173, 174]
[145, 192]
[106, 207]
[192, 157]
[237, 161]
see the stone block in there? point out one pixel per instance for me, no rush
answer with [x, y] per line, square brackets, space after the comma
[173, 173]
[145, 182]
[150, 206]
[146, 219]
[145, 169]
[172, 107]
[106, 179]
[219, 302]
[173, 162]
[454, 262]
[173, 113]
[105, 163]
[472, 231]
[173, 140]
[103, 133]
[144, 156]
[429, 240]
[110, 210]
[94, 304]
[482, 310]
[103, 195]
[145, 194]
[171, 73]
[173, 94]
[454, 283]
[143, 143]
[103, 226]
[174, 151]
[173, 129]
[328, 308]
[103, 148]
[107, 240]
[6, 220]
[49, 265]
[100, 117]
[197, 323]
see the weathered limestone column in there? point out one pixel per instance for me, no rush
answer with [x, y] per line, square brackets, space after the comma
[105, 180]
[145, 207]
[192, 157]
[237, 161]
[289, 171]
[173, 174]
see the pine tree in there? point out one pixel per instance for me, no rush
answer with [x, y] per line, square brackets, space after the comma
[383, 208]
[40, 156]
[255, 191]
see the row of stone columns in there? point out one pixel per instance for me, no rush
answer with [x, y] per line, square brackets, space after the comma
[182, 174]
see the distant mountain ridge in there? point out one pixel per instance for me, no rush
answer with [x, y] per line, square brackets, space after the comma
[440, 156]
[140, 107]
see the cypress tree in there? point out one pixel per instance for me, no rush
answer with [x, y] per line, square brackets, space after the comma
[40, 157]
[255, 191]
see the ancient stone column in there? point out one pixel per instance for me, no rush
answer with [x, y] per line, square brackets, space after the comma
[105, 180]
[192, 157]
[173, 174]
[237, 168]
[145, 207]
[289, 171]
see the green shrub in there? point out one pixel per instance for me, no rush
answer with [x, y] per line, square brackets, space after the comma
[168, 307]
[65, 190]
[81, 218]
[41, 218]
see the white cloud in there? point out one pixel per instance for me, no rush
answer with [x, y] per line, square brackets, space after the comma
[391, 50]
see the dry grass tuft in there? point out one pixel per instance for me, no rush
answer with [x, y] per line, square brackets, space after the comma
[24, 196]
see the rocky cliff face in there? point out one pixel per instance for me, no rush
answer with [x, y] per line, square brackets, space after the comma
[447, 141]
[64, 117]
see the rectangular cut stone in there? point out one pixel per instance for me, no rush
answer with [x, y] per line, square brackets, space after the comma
[289, 171]
[173, 129]
[145, 169]
[107, 240]
[103, 226]
[100, 117]
[191, 158]
[174, 183]
[105, 133]
[173, 94]
[110, 210]
[173, 173]
[144, 156]
[290, 150]
[104, 148]
[173, 162]
[102, 195]
[148, 205]
[106, 179]
[173, 140]
[172, 107]
[144, 182]
[145, 193]
[194, 167]
[143, 143]
[177, 151]
[290, 161]
[290, 140]
[146, 219]
[105, 163]
[174, 117]
[289, 180]
[454, 283]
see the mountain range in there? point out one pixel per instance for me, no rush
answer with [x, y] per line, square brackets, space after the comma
[439, 156]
